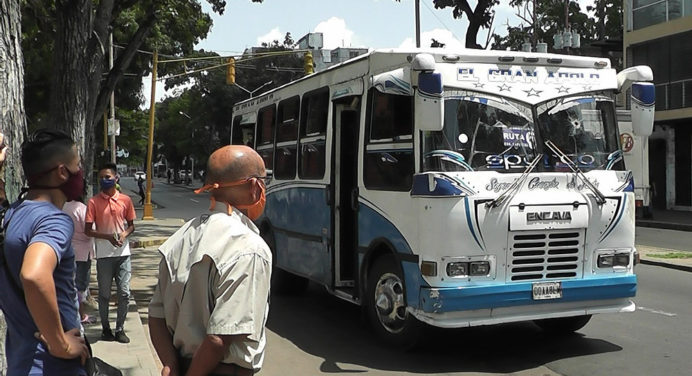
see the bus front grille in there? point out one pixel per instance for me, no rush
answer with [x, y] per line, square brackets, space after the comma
[535, 255]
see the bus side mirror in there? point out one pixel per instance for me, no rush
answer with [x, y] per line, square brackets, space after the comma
[429, 104]
[643, 108]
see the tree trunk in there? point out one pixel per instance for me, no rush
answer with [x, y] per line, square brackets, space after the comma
[472, 34]
[69, 94]
[12, 120]
[12, 117]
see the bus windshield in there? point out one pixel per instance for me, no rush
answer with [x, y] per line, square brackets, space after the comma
[481, 132]
[486, 133]
[584, 128]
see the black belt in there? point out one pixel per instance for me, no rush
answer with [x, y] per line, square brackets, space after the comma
[222, 369]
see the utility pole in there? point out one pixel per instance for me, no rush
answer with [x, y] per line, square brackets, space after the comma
[110, 65]
[417, 23]
[148, 212]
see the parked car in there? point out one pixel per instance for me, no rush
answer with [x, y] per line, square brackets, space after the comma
[140, 173]
[183, 174]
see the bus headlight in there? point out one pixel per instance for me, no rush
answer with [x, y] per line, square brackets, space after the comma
[605, 261]
[458, 269]
[621, 259]
[477, 268]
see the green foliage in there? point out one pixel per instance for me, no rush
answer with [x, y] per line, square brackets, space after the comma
[180, 24]
[606, 23]
[207, 104]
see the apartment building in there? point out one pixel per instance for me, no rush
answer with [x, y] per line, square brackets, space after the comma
[658, 33]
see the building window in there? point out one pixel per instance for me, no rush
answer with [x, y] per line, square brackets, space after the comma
[313, 131]
[388, 161]
[652, 12]
[670, 59]
[265, 135]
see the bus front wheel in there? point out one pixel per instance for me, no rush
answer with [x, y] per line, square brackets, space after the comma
[386, 305]
[563, 325]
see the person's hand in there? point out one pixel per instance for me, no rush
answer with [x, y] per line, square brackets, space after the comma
[168, 371]
[116, 242]
[75, 346]
[3, 149]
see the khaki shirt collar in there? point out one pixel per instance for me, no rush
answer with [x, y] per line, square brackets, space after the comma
[210, 235]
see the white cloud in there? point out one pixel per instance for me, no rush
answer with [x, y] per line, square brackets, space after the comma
[270, 37]
[335, 33]
[440, 35]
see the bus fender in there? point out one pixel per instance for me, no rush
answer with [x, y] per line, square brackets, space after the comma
[407, 263]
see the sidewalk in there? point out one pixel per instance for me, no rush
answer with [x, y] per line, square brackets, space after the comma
[668, 219]
[136, 358]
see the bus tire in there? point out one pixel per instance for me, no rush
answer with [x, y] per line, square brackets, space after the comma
[282, 282]
[563, 325]
[386, 308]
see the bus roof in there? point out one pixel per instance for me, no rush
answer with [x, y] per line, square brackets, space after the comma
[393, 58]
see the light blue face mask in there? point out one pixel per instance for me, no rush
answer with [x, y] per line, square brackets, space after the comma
[107, 183]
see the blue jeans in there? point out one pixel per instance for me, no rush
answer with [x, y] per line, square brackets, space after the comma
[82, 275]
[107, 269]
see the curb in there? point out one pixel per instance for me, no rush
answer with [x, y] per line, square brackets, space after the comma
[147, 243]
[665, 225]
[667, 265]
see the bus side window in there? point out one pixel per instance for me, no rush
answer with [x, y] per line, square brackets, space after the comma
[388, 161]
[391, 116]
[243, 134]
[286, 139]
[313, 128]
[265, 135]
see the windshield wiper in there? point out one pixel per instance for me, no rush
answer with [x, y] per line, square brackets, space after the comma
[499, 200]
[600, 198]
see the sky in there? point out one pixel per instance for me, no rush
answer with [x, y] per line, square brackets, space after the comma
[344, 23]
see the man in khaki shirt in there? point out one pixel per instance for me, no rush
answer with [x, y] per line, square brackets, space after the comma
[210, 306]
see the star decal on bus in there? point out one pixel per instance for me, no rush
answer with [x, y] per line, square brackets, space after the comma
[478, 85]
[532, 92]
[563, 89]
[504, 87]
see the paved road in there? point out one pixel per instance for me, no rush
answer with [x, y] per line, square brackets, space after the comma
[173, 201]
[316, 333]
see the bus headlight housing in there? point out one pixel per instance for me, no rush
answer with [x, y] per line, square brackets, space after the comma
[458, 269]
[478, 268]
[617, 259]
[466, 269]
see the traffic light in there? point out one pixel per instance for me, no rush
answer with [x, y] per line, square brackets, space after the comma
[230, 71]
[309, 68]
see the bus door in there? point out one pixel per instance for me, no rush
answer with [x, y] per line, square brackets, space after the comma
[345, 191]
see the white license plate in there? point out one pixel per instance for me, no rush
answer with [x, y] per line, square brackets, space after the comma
[547, 290]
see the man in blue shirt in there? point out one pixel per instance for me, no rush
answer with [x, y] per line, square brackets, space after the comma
[37, 290]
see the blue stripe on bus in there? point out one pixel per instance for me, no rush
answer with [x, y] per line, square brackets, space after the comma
[454, 299]
[617, 220]
[469, 222]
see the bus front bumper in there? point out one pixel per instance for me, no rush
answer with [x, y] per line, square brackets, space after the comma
[486, 305]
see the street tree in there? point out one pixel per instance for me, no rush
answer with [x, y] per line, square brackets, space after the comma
[541, 20]
[480, 16]
[205, 108]
[81, 81]
[12, 118]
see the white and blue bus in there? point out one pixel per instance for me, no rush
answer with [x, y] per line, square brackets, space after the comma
[453, 188]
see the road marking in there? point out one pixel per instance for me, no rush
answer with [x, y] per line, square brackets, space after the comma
[192, 199]
[664, 313]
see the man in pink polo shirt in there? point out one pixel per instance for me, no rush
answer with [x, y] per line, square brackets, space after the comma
[114, 215]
